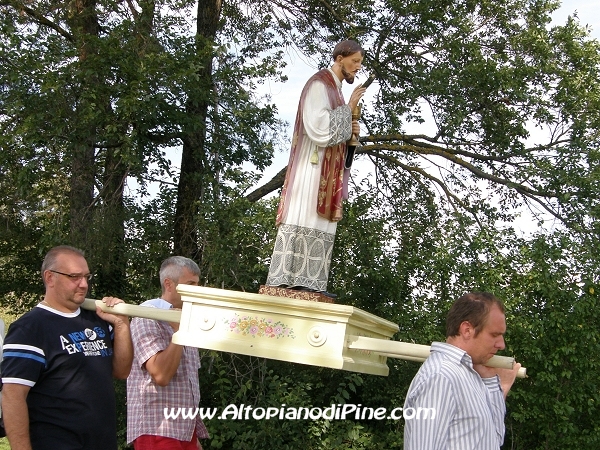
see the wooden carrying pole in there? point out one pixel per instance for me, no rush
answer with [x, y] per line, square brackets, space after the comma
[394, 349]
[124, 309]
[418, 352]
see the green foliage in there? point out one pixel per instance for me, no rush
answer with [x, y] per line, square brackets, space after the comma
[268, 384]
[95, 99]
[551, 302]
[235, 244]
[555, 327]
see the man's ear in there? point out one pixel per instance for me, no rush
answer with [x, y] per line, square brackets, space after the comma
[48, 281]
[466, 330]
[168, 283]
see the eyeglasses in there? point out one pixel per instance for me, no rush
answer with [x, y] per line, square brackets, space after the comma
[74, 276]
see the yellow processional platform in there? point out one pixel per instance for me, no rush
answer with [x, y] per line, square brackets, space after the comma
[280, 328]
[285, 329]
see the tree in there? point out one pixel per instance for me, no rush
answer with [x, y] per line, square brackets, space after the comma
[103, 88]
[57, 102]
[110, 86]
[408, 266]
[502, 99]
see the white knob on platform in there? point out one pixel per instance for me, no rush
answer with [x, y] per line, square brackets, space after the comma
[316, 336]
[206, 323]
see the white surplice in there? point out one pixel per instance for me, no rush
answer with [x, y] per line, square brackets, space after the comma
[304, 243]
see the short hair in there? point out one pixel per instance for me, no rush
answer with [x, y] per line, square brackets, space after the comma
[347, 48]
[52, 255]
[474, 308]
[172, 267]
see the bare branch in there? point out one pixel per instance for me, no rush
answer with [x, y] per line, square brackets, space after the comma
[275, 183]
[444, 153]
[412, 170]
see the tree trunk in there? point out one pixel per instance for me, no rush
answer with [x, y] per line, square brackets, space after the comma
[97, 225]
[85, 26]
[109, 253]
[195, 170]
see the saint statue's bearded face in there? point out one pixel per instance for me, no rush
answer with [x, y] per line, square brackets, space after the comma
[350, 65]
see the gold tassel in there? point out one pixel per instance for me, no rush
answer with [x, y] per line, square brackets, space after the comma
[314, 158]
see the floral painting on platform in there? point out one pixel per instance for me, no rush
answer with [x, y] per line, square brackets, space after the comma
[259, 327]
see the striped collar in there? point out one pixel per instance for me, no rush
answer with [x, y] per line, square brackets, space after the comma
[452, 353]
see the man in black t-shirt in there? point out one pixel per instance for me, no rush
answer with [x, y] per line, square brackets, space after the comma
[59, 361]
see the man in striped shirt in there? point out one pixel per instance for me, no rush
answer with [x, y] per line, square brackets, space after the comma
[468, 398]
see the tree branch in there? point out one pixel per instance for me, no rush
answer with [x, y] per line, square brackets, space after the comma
[452, 157]
[38, 18]
[275, 183]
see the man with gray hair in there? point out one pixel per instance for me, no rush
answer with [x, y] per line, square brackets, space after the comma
[164, 375]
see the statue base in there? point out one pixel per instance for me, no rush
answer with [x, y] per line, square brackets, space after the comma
[277, 291]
